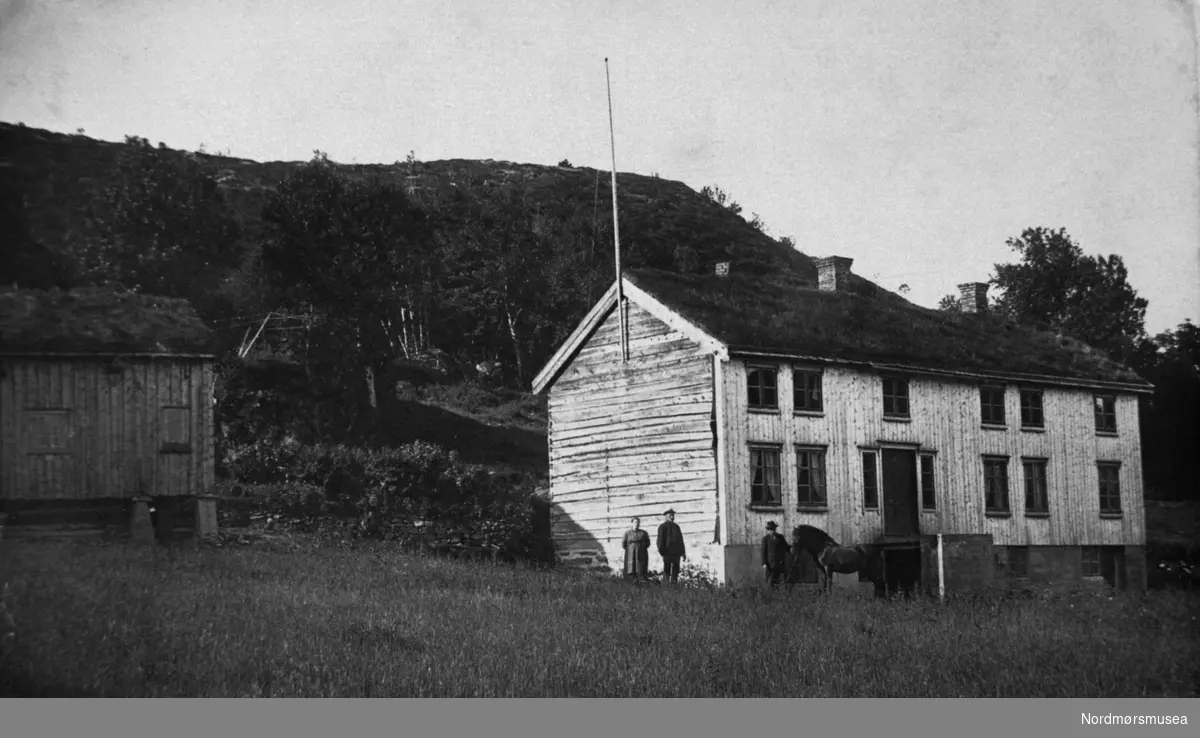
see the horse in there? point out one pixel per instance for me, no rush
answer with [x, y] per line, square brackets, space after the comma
[832, 557]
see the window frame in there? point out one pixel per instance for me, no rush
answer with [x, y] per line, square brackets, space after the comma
[871, 488]
[1002, 462]
[1027, 409]
[928, 493]
[817, 452]
[760, 407]
[906, 396]
[1109, 494]
[777, 450]
[986, 392]
[1086, 563]
[1036, 462]
[801, 391]
[1104, 408]
[168, 444]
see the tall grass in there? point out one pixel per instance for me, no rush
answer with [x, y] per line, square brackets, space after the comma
[120, 621]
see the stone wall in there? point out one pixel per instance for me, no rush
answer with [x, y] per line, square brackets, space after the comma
[967, 563]
[1061, 567]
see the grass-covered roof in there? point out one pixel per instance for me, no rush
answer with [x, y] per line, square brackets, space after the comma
[785, 313]
[98, 321]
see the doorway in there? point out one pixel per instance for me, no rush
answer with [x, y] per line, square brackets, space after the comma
[901, 514]
[1112, 565]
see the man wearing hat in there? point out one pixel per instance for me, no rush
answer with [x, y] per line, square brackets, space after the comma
[670, 547]
[774, 555]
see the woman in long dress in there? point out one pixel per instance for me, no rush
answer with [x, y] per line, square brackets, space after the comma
[637, 550]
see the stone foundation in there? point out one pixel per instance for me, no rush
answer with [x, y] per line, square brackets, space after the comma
[1061, 568]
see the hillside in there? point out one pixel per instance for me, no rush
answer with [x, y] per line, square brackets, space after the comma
[59, 174]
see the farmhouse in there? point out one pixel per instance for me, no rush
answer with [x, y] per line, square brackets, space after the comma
[978, 452]
[105, 398]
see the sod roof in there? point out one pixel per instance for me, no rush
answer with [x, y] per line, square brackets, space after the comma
[785, 313]
[98, 321]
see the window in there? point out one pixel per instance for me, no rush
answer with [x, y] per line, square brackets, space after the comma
[47, 431]
[1110, 488]
[995, 483]
[991, 400]
[928, 493]
[1090, 556]
[870, 480]
[895, 397]
[1031, 409]
[1018, 561]
[761, 388]
[764, 480]
[1106, 413]
[176, 438]
[806, 389]
[1034, 471]
[810, 477]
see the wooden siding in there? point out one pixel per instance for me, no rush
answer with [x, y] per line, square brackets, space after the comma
[632, 439]
[91, 429]
[945, 420]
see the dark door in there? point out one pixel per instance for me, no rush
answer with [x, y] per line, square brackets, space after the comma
[900, 512]
[1112, 565]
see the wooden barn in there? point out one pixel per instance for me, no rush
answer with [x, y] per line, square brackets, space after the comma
[105, 399]
[972, 451]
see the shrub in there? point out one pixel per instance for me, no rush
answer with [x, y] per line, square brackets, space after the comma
[418, 493]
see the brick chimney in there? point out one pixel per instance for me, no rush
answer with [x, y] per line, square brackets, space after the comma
[833, 273]
[974, 297]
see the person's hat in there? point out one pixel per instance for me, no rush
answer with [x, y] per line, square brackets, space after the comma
[670, 512]
[771, 525]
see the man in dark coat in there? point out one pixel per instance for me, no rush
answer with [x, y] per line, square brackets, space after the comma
[670, 547]
[774, 555]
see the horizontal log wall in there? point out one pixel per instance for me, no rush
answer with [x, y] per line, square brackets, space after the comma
[945, 419]
[76, 429]
[633, 439]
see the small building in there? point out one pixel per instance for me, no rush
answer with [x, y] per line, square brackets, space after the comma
[828, 401]
[105, 398]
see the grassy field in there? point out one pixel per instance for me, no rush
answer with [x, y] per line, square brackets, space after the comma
[114, 620]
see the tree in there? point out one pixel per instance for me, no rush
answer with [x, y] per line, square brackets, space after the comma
[1171, 419]
[24, 260]
[1057, 286]
[950, 304]
[163, 227]
[722, 198]
[360, 255]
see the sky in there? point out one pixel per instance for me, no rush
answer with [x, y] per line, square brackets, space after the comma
[915, 137]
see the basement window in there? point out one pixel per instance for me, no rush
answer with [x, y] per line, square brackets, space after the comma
[1018, 561]
[762, 388]
[1090, 562]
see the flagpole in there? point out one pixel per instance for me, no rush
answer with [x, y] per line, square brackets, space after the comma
[622, 329]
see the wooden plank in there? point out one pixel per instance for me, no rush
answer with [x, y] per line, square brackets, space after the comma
[632, 419]
[576, 414]
[666, 482]
[645, 435]
[672, 379]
